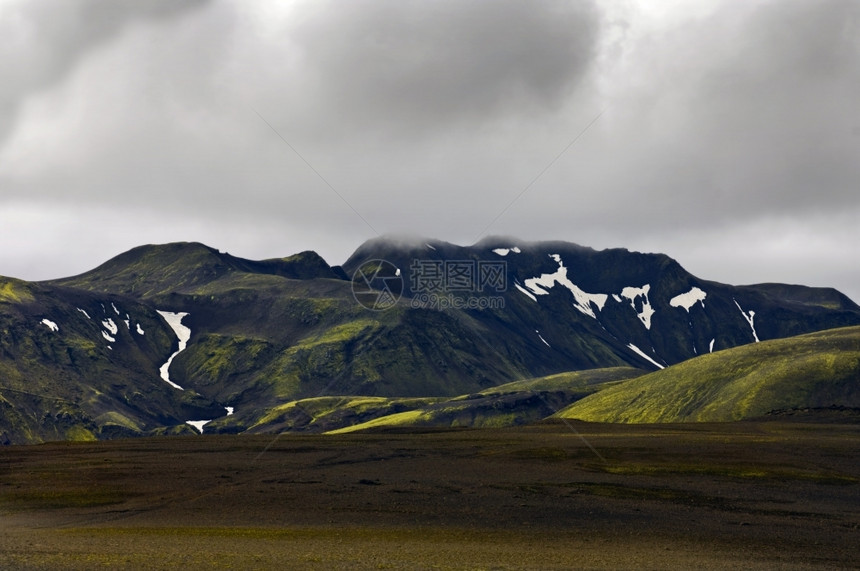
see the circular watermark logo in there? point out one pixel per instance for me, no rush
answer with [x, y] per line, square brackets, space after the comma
[377, 285]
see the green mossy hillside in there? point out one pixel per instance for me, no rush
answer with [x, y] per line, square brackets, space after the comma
[818, 370]
[321, 414]
[511, 404]
[80, 366]
[14, 291]
[152, 271]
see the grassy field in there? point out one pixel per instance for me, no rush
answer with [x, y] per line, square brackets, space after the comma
[780, 495]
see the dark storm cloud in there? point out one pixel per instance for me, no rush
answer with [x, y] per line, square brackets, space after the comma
[338, 80]
[724, 123]
[414, 66]
[43, 40]
[738, 114]
[777, 104]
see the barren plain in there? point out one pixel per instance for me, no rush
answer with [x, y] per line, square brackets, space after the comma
[765, 495]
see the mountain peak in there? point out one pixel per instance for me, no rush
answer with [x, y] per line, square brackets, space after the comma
[156, 269]
[305, 265]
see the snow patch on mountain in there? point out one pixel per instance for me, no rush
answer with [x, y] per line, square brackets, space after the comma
[750, 317]
[115, 309]
[429, 246]
[87, 315]
[632, 293]
[642, 354]
[110, 326]
[51, 325]
[582, 300]
[711, 347]
[689, 299]
[542, 339]
[107, 336]
[140, 331]
[174, 320]
[198, 424]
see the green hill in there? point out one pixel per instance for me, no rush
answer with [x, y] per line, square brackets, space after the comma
[511, 404]
[816, 370]
[157, 271]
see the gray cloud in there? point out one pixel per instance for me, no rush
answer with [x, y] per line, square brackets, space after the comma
[43, 41]
[430, 117]
[413, 66]
[748, 111]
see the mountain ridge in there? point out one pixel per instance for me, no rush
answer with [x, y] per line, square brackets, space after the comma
[270, 332]
[188, 264]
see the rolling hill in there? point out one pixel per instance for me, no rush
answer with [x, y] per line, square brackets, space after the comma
[814, 371]
[511, 404]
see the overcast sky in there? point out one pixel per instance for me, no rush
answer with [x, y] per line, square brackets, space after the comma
[725, 134]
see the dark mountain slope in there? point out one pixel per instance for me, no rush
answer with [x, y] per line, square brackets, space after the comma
[811, 296]
[260, 338]
[592, 306]
[262, 335]
[79, 365]
[150, 272]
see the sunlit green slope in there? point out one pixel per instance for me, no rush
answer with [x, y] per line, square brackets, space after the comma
[512, 404]
[817, 370]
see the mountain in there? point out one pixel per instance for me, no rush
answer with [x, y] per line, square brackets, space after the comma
[614, 307]
[270, 342]
[818, 370]
[78, 365]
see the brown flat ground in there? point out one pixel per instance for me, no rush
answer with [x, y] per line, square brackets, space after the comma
[763, 495]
